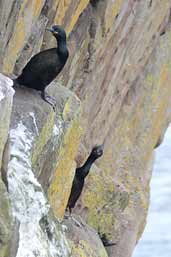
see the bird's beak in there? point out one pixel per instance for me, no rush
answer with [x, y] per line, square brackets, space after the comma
[102, 146]
[50, 29]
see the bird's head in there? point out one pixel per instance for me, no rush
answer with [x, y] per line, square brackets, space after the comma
[97, 150]
[58, 32]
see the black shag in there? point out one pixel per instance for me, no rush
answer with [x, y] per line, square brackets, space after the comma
[43, 67]
[106, 242]
[80, 175]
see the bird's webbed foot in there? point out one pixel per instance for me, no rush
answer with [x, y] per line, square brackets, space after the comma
[49, 99]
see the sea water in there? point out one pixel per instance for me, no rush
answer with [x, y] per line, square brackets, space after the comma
[156, 239]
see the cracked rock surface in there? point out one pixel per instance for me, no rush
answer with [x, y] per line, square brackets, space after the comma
[116, 89]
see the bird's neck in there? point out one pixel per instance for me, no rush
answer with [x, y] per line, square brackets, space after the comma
[62, 47]
[86, 167]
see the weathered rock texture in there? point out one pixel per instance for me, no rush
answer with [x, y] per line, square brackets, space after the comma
[37, 139]
[120, 68]
[6, 98]
[83, 240]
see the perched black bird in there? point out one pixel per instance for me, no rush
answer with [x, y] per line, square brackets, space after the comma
[80, 175]
[106, 242]
[46, 65]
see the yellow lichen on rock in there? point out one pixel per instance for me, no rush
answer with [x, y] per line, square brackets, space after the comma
[37, 6]
[83, 248]
[44, 136]
[111, 12]
[64, 7]
[61, 11]
[15, 45]
[80, 8]
[59, 189]
[139, 125]
[103, 198]
[123, 79]
[29, 11]
[6, 100]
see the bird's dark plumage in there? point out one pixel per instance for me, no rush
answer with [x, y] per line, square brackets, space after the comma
[43, 67]
[106, 242]
[80, 175]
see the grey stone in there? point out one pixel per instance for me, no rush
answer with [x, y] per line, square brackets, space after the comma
[6, 98]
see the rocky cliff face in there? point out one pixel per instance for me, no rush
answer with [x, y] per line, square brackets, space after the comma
[6, 98]
[120, 69]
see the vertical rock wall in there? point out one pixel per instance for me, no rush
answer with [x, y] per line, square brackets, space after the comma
[6, 98]
[120, 68]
